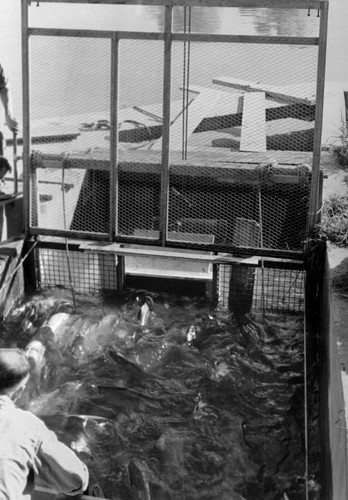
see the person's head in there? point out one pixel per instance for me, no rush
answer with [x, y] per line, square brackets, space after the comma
[5, 167]
[14, 371]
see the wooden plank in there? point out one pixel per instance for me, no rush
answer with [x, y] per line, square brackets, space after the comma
[164, 253]
[253, 133]
[246, 233]
[283, 135]
[183, 269]
[213, 163]
[288, 93]
[51, 214]
[201, 107]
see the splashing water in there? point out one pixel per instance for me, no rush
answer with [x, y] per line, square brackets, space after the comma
[158, 417]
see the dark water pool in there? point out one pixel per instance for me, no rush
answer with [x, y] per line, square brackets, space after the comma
[156, 417]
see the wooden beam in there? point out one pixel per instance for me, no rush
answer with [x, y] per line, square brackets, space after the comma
[253, 133]
[216, 164]
[201, 107]
[288, 93]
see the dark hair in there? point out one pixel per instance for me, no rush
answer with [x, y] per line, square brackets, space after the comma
[14, 367]
[5, 164]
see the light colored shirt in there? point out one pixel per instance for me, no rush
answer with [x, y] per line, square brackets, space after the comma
[28, 450]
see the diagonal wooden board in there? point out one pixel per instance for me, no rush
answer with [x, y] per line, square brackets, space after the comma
[289, 93]
[253, 133]
[202, 106]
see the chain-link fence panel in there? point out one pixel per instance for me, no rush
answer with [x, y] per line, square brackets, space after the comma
[69, 112]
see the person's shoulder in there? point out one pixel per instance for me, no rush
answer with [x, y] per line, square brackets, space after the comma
[29, 417]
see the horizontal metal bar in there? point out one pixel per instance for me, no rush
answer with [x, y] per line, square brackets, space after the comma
[55, 236]
[178, 37]
[276, 4]
[118, 249]
[271, 40]
[127, 35]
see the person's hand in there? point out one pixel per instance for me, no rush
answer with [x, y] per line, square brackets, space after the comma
[12, 123]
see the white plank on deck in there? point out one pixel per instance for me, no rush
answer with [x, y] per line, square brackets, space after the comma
[253, 133]
[292, 93]
[201, 107]
[51, 214]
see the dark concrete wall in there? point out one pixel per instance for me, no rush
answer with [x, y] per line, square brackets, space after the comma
[332, 404]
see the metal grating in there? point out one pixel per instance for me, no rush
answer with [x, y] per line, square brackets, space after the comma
[243, 289]
[240, 288]
[90, 273]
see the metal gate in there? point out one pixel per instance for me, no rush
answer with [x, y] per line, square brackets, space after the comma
[175, 137]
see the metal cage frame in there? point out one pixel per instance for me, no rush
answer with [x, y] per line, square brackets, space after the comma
[168, 37]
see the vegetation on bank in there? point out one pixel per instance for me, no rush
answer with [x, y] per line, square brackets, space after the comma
[334, 213]
[334, 220]
[340, 148]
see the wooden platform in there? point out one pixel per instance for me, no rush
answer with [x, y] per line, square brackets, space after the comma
[221, 109]
[284, 135]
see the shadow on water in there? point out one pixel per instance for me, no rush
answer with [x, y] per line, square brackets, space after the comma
[158, 417]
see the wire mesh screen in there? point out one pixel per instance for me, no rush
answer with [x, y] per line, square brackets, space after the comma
[260, 207]
[88, 273]
[190, 134]
[70, 99]
[244, 288]
[250, 98]
[241, 288]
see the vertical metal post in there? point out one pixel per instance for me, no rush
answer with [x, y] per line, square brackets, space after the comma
[15, 162]
[167, 67]
[114, 109]
[26, 116]
[314, 202]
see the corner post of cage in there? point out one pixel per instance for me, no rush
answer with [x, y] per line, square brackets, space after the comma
[315, 194]
[26, 114]
[114, 112]
[167, 67]
[114, 184]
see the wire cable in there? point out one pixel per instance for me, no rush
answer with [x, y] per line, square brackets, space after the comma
[305, 376]
[261, 245]
[65, 161]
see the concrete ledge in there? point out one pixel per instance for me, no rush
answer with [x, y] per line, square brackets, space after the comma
[333, 337]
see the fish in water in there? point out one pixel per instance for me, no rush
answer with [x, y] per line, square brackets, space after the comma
[35, 352]
[145, 308]
[55, 326]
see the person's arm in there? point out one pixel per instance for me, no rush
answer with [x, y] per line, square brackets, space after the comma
[5, 97]
[58, 466]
